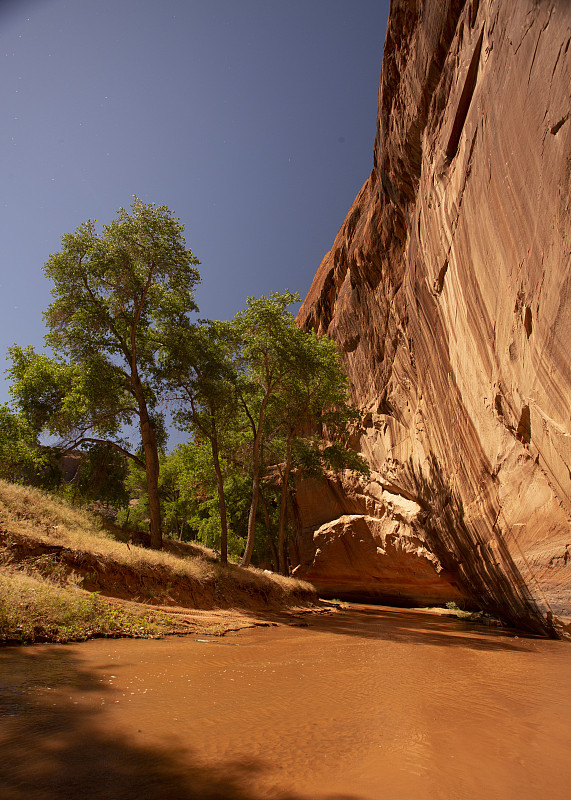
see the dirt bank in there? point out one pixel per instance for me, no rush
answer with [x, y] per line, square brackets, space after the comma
[58, 563]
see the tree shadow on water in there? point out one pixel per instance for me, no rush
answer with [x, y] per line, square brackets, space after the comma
[53, 748]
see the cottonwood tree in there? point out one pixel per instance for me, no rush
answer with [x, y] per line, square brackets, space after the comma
[199, 367]
[289, 383]
[45, 393]
[114, 294]
[268, 345]
[197, 483]
[20, 454]
[313, 395]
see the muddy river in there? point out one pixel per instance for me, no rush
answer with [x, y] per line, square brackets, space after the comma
[369, 704]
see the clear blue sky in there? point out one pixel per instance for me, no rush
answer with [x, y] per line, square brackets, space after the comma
[253, 120]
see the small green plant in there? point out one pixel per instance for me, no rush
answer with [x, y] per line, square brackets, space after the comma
[89, 577]
[216, 630]
[466, 616]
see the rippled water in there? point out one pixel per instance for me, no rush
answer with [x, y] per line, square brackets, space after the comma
[369, 704]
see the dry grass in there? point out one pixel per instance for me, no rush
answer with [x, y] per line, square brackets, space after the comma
[33, 609]
[56, 560]
[43, 517]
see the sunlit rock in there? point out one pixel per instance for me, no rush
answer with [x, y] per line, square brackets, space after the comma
[448, 291]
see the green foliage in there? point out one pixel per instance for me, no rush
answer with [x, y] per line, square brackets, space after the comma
[100, 477]
[267, 334]
[114, 291]
[187, 488]
[116, 296]
[267, 337]
[259, 398]
[66, 399]
[176, 508]
[20, 456]
[290, 384]
[53, 398]
[197, 496]
[312, 409]
[198, 366]
[38, 387]
[254, 393]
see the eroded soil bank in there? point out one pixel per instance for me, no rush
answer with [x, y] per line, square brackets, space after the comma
[365, 704]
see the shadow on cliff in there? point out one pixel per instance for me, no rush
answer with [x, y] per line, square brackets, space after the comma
[483, 564]
[55, 750]
[399, 625]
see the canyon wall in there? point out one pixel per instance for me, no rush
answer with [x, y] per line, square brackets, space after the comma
[448, 292]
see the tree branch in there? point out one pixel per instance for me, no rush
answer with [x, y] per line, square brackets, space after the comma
[108, 318]
[246, 409]
[138, 312]
[114, 445]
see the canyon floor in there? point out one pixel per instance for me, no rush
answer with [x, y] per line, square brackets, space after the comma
[366, 704]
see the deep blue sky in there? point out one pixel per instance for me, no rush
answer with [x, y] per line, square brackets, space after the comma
[253, 120]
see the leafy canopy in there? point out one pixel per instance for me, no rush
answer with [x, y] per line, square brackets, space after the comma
[113, 291]
[117, 294]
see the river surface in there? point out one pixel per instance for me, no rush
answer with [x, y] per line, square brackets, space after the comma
[368, 704]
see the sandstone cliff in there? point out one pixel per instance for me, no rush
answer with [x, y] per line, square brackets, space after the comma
[448, 291]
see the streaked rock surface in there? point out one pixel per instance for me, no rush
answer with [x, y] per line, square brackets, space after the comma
[448, 291]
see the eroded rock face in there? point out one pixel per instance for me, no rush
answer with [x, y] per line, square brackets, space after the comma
[448, 291]
[366, 559]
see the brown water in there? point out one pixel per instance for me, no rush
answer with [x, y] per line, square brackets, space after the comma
[371, 703]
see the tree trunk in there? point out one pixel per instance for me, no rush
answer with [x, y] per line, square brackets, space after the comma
[283, 507]
[268, 524]
[247, 557]
[151, 450]
[152, 470]
[221, 499]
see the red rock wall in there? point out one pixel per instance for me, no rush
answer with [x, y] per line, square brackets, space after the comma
[448, 291]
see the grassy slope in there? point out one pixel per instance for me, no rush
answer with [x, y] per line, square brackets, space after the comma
[64, 577]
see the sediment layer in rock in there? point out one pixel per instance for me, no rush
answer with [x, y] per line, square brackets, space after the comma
[448, 291]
